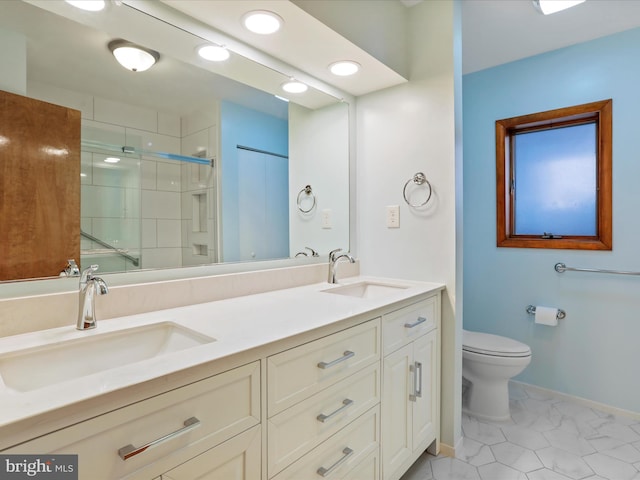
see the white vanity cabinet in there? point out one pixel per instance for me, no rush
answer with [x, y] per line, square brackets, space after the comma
[352, 399]
[411, 384]
[323, 405]
[148, 438]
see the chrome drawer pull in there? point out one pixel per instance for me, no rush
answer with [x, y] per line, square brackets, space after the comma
[346, 403]
[323, 472]
[419, 378]
[416, 323]
[345, 356]
[130, 451]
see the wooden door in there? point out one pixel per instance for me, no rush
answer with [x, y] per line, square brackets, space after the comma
[39, 187]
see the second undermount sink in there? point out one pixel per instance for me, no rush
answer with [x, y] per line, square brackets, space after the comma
[367, 289]
[38, 367]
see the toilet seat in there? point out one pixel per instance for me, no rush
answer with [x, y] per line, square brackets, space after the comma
[494, 345]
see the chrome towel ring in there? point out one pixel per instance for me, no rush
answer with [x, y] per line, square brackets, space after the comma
[308, 193]
[418, 179]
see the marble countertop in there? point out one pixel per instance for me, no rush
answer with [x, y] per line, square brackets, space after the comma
[237, 324]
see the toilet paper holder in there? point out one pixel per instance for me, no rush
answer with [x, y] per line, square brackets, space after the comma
[531, 310]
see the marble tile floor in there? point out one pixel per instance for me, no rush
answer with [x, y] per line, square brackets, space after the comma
[547, 438]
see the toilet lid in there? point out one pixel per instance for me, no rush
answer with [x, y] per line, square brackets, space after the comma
[487, 344]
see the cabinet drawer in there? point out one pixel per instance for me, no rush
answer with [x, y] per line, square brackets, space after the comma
[235, 459]
[367, 469]
[224, 405]
[408, 323]
[298, 373]
[297, 430]
[341, 453]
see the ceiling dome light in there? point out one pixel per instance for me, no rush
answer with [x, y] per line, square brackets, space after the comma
[344, 68]
[133, 57]
[547, 7]
[294, 87]
[213, 53]
[262, 22]
[88, 5]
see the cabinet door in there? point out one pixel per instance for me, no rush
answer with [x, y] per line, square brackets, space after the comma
[424, 408]
[396, 415]
[235, 459]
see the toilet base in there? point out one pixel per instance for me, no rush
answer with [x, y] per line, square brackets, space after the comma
[487, 400]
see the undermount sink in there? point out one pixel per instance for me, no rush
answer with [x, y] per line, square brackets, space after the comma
[38, 367]
[366, 289]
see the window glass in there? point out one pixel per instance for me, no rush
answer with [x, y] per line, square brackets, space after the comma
[555, 181]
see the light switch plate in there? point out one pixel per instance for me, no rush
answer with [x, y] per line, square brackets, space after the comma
[326, 218]
[393, 216]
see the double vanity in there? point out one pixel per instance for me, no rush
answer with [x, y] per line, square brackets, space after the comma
[321, 380]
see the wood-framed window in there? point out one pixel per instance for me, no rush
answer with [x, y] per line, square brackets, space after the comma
[553, 172]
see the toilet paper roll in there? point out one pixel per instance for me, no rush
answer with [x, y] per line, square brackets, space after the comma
[546, 316]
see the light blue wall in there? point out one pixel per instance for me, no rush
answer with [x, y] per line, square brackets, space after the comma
[594, 352]
[243, 126]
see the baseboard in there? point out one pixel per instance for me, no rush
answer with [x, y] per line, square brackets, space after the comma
[582, 401]
[450, 451]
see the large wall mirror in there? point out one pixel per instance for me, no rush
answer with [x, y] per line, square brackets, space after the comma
[190, 162]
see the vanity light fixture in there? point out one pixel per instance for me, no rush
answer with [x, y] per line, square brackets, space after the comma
[344, 68]
[547, 7]
[262, 22]
[213, 53]
[88, 5]
[294, 86]
[133, 57]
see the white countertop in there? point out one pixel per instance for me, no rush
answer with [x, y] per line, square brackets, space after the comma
[238, 324]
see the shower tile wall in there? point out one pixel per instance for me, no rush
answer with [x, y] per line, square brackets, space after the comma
[141, 208]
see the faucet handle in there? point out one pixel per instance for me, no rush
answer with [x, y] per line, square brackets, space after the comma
[313, 252]
[87, 273]
[332, 254]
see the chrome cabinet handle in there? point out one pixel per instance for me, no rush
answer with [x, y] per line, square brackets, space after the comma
[346, 403]
[413, 396]
[345, 356]
[416, 323]
[419, 379]
[323, 472]
[129, 451]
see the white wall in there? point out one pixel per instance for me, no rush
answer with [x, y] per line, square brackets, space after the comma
[401, 131]
[319, 156]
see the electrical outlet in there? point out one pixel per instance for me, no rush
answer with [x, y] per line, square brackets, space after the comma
[393, 216]
[326, 218]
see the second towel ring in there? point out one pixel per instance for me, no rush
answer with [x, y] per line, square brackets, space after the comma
[309, 192]
[419, 179]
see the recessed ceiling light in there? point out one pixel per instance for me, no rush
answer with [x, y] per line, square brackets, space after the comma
[262, 22]
[111, 160]
[294, 87]
[133, 57]
[88, 5]
[213, 53]
[547, 7]
[344, 68]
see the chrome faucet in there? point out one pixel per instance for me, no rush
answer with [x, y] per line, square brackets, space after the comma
[334, 258]
[89, 287]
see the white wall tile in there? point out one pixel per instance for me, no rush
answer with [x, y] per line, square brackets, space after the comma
[200, 120]
[168, 176]
[124, 174]
[153, 141]
[148, 174]
[98, 201]
[169, 233]
[119, 113]
[160, 204]
[168, 124]
[161, 257]
[149, 233]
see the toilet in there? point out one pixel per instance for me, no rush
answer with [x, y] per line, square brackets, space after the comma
[488, 362]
